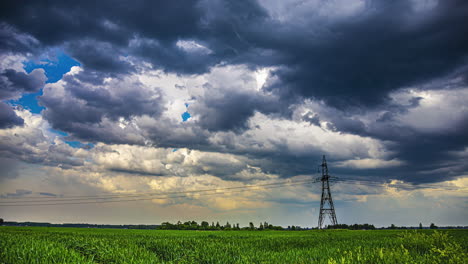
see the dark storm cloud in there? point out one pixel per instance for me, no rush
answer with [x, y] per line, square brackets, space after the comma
[13, 41]
[359, 61]
[113, 21]
[148, 29]
[91, 30]
[14, 84]
[173, 58]
[99, 56]
[427, 153]
[351, 61]
[8, 117]
[230, 111]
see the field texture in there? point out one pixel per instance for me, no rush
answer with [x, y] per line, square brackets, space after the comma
[73, 245]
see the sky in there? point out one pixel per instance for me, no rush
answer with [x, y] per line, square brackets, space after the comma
[121, 98]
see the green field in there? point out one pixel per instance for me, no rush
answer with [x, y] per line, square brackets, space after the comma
[74, 245]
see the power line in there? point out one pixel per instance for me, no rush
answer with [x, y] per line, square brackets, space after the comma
[395, 185]
[269, 186]
[110, 196]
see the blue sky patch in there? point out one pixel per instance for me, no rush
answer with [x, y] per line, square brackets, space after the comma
[54, 70]
[29, 101]
[78, 144]
[58, 132]
[186, 115]
[72, 143]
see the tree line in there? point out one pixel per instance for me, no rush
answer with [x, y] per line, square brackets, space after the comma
[372, 227]
[352, 227]
[204, 225]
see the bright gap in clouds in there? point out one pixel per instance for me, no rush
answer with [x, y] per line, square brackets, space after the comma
[261, 77]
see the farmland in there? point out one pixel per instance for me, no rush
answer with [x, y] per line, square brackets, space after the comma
[80, 245]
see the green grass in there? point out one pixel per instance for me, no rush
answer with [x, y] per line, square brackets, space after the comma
[76, 245]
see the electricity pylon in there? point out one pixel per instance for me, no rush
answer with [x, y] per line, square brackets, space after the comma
[326, 203]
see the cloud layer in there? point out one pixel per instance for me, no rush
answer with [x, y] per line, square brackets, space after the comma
[265, 87]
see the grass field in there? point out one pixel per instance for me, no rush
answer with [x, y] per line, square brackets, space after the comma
[75, 245]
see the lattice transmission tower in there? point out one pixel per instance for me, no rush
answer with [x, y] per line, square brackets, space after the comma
[326, 203]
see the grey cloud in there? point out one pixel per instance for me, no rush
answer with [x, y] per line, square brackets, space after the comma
[8, 117]
[30, 143]
[48, 194]
[99, 56]
[90, 111]
[8, 168]
[166, 133]
[171, 58]
[230, 111]
[17, 193]
[63, 156]
[13, 84]
[311, 118]
[137, 172]
[31, 152]
[423, 152]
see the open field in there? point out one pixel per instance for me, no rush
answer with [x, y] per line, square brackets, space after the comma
[75, 245]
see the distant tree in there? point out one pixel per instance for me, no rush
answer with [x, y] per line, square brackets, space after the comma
[260, 227]
[1, 221]
[433, 226]
[167, 225]
[251, 226]
[293, 228]
[218, 226]
[392, 226]
[205, 225]
[272, 227]
[237, 226]
[227, 226]
[420, 226]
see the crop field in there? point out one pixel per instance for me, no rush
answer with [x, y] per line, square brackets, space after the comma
[79, 245]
